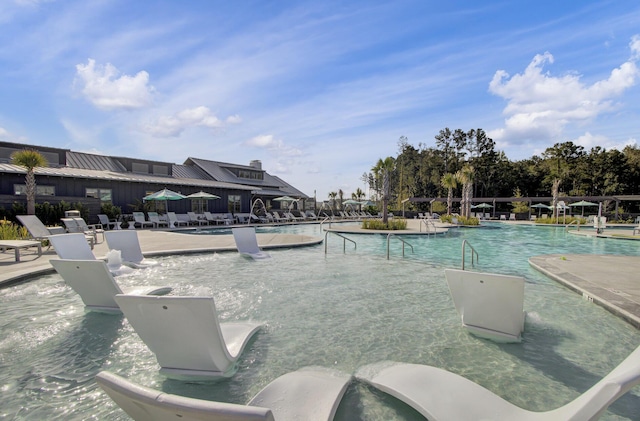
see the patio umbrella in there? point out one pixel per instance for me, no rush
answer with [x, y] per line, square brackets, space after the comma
[164, 195]
[541, 206]
[582, 204]
[285, 199]
[482, 206]
[201, 197]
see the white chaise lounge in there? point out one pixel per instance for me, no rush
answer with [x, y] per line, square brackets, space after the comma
[307, 394]
[72, 246]
[36, 228]
[438, 394]
[127, 242]
[247, 242]
[186, 336]
[93, 282]
[490, 305]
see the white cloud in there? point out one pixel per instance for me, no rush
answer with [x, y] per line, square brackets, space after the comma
[174, 125]
[276, 146]
[589, 141]
[540, 105]
[107, 89]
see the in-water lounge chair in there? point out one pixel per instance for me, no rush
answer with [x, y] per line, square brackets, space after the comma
[127, 242]
[247, 242]
[307, 394]
[438, 394]
[72, 246]
[490, 305]
[186, 336]
[93, 282]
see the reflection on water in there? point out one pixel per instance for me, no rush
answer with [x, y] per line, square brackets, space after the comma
[339, 310]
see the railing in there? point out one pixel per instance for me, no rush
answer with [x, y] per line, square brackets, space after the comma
[403, 244]
[427, 223]
[325, 220]
[465, 243]
[577, 222]
[344, 241]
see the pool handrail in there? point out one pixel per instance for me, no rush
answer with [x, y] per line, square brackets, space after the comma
[473, 252]
[344, 241]
[403, 243]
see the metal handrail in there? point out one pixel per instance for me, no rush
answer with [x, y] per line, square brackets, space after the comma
[426, 223]
[577, 222]
[344, 241]
[403, 243]
[473, 251]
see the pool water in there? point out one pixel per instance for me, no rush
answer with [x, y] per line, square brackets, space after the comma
[339, 310]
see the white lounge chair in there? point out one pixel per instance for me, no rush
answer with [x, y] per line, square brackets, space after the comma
[247, 242]
[107, 223]
[94, 229]
[186, 336]
[93, 282]
[193, 218]
[600, 223]
[157, 222]
[72, 246]
[174, 221]
[307, 394]
[127, 242]
[36, 228]
[490, 305]
[139, 219]
[438, 394]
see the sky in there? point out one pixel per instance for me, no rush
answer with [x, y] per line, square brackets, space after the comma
[316, 90]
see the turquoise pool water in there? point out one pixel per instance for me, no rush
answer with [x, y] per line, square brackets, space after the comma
[339, 310]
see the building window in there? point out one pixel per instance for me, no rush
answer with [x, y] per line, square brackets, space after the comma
[234, 203]
[103, 194]
[21, 189]
[139, 168]
[161, 170]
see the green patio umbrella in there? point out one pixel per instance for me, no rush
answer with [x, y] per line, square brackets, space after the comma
[285, 199]
[541, 206]
[164, 195]
[200, 197]
[582, 204]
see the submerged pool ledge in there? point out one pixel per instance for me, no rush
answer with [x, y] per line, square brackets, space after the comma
[607, 280]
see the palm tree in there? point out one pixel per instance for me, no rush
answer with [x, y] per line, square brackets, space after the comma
[382, 172]
[30, 159]
[332, 196]
[340, 198]
[358, 194]
[449, 182]
[555, 187]
[465, 176]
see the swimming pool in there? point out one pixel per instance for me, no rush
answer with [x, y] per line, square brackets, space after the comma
[339, 310]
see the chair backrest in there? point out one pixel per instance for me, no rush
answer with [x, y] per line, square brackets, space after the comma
[71, 225]
[127, 242]
[143, 403]
[139, 216]
[192, 216]
[488, 301]
[82, 225]
[209, 216]
[246, 240]
[153, 216]
[172, 217]
[72, 246]
[91, 280]
[34, 225]
[104, 219]
[183, 332]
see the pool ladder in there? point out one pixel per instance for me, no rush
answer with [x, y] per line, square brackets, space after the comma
[465, 243]
[344, 241]
[427, 223]
[403, 243]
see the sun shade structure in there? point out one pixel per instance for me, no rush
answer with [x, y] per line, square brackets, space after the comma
[438, 394]
[311, 394]
[164, 195]
[200, 197]
[582, 204]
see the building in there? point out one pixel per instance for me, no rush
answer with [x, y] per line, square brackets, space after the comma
[97, 179]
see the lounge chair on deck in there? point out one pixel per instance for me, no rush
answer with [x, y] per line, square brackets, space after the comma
[127, 242]
[174, 221]
[307, 394]
[312, 215]
[512, 217]
[186, 336]
[93, 282]
[139, 220]
[438, 394]
[247, 242]
[37, 229]
[490, 305]
[193, 219]
[600, 223]
[157, 222]
[107, 223]
[94, 229]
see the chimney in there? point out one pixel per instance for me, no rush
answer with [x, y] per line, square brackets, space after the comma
[256, 163]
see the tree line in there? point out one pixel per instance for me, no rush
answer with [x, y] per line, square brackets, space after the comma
[565, 169]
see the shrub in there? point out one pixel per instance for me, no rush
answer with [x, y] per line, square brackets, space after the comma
[563, 220]
[11, 231]
[377, 224]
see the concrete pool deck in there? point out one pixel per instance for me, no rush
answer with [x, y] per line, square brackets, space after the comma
[610, 281]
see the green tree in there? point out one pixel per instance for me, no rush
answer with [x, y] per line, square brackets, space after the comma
[382, 173]
[449, 182]
[465, 176]
[30, 159]
[332, 198]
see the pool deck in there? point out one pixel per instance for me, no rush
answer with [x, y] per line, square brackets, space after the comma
[610, 281]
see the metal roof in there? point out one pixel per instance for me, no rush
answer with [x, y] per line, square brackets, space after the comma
[123, 176]
[93, 162]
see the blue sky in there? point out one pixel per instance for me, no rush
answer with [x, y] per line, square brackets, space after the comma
[318, 91]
